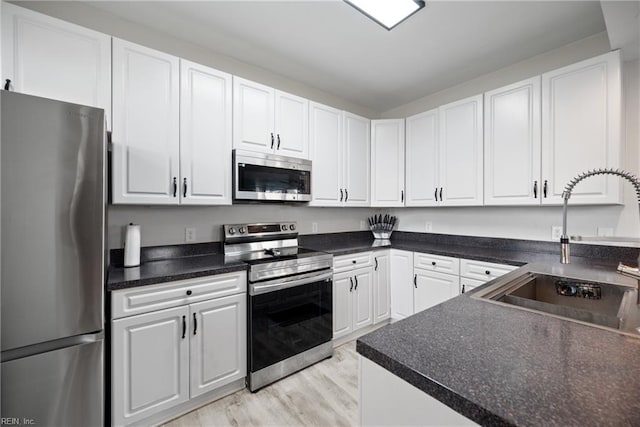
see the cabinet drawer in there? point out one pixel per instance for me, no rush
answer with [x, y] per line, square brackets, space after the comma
[348, 262]
[144, 299]
[483, 271]
[442, 264]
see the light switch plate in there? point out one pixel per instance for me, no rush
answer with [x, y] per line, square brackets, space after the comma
[556, 232]
[428, 226]
[605, 231]
[314, 227]
[189, 234]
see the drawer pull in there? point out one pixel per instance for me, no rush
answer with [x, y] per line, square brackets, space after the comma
[487, 272]
[433, 263]
[189, 292]
[353, 262]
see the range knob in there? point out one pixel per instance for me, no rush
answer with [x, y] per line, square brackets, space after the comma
[242, 230]
[232, 230]
[292, 227]
[284, 227]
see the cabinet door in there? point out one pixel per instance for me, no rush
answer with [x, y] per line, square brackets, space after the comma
[381, 288]
[467, 284]
[326, 155]
[218, 334]
[149, 364]
[422, 159]
[357, 160]
[362, 298]
[291, 125]
[581, 109]
[47, 57]
[387, 163]
[342, 304]
[253, 116]
[205, 135]
[512, 144]
[432, 288]
[146, 119]
[460, 151]
[401, 280]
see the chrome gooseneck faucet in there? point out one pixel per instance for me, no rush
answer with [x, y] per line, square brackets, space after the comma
[566, 194]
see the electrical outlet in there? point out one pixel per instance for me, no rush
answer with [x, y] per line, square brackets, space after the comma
[362, 225]
[556, 232]
[605, 231]
[189, 234]
[314, 227]
[428, 226]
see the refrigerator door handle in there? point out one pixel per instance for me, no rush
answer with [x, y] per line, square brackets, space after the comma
[45, 347]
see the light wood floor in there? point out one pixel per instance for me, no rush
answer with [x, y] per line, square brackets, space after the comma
[325, 394]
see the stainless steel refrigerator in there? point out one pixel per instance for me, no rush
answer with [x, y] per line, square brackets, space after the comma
[52, 158]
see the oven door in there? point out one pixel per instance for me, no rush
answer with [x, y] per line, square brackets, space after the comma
[288, 318]
[267, 177]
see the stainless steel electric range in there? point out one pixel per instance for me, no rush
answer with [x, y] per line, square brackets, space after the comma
[290, 318]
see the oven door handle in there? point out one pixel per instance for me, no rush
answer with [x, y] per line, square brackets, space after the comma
[279, 284]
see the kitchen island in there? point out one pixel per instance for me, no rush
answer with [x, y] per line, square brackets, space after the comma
[480, 362]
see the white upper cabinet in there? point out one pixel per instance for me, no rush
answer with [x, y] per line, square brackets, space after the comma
[512, 144]
[292, 125]
[269, 121]
[422, 159]
[387, 163]
[581, 110]
[205, 135]
[460, 153]
[327, 155]
[145, 125]
[47, 57]
[356, 164]
[253, 116]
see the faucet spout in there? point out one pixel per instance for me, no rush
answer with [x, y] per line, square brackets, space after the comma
[566, 194]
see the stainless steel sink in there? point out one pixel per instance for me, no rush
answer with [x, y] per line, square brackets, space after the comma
[601, 304]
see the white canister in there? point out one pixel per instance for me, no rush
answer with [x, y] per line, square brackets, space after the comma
[132, 246]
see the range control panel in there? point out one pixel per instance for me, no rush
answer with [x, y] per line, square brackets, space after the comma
[259, 230]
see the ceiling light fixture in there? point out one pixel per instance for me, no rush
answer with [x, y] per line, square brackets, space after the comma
[387, 13]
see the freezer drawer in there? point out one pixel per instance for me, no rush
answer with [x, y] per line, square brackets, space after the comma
[58, 388]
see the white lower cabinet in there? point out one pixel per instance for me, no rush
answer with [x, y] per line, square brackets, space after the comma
[150, 364]
[420, 281]
[431, 288]
[381, 286]
[218, 353]
[467, 284]
[163, 358]
[352, 301]
[401, 274]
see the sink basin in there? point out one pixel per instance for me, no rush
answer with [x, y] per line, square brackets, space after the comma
[600, 304]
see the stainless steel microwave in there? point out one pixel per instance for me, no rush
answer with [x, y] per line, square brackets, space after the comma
[266, 177]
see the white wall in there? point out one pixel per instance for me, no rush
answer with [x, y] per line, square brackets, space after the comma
[536, 222]
[166, 225]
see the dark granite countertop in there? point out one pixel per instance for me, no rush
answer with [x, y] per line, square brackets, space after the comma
[167, 263]
[499, 365]
[159, 271]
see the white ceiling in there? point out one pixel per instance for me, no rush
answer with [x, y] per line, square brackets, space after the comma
[329, 45]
